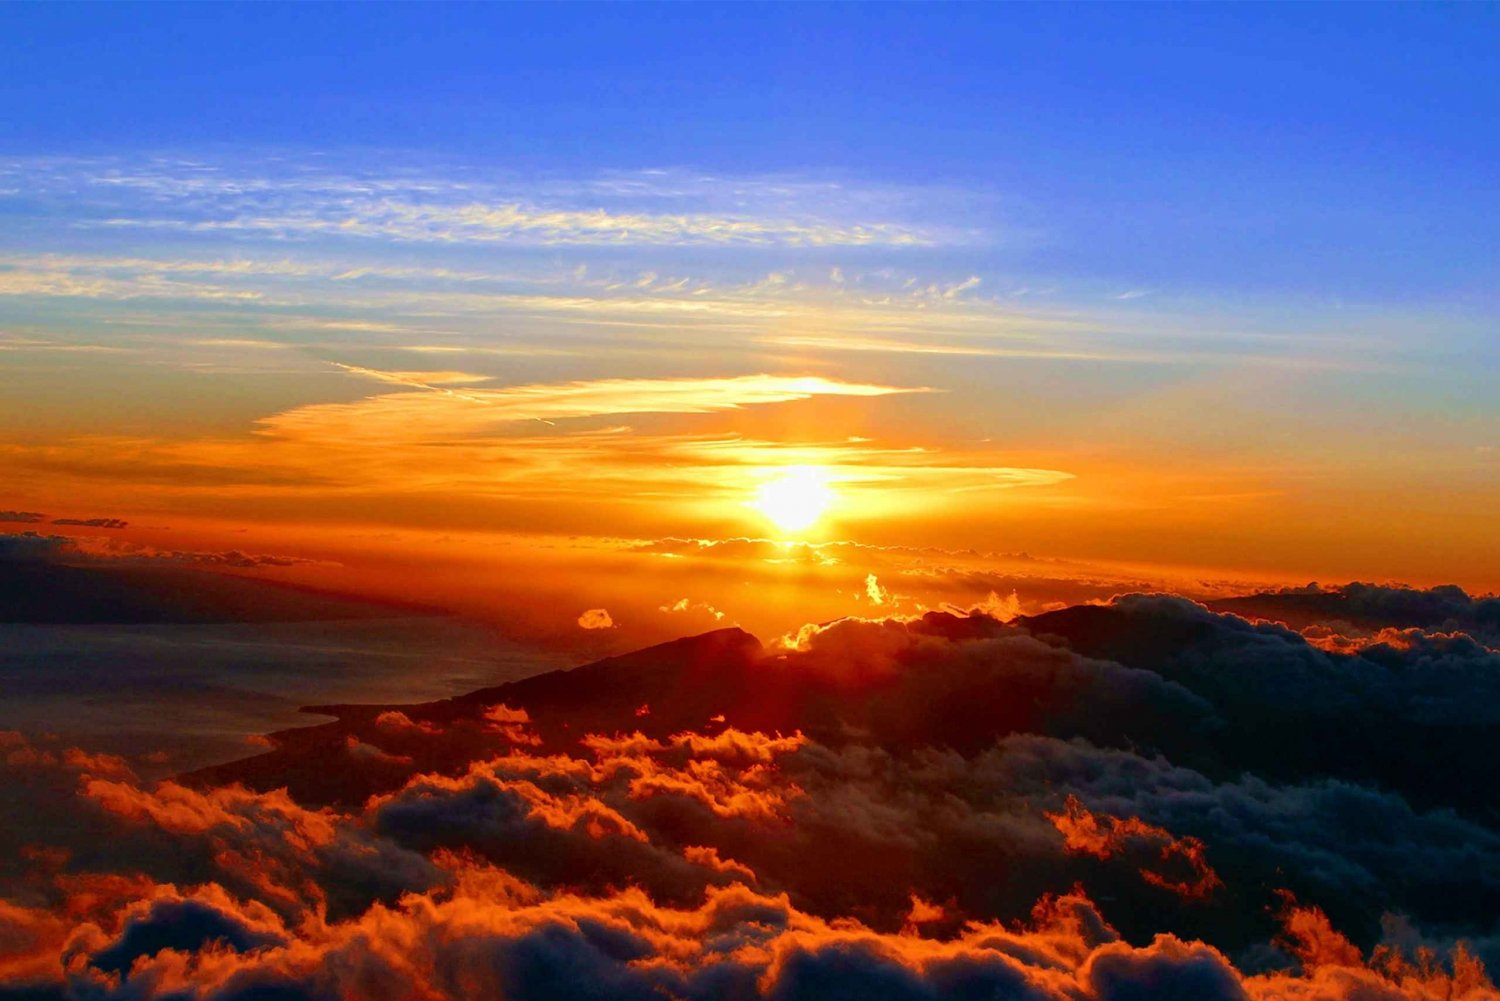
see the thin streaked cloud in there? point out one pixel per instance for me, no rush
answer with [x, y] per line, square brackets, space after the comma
[445, 412]
[524, 223]
[277, 200]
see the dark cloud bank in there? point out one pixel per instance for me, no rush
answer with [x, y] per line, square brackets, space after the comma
[1139, 799]
[56, 579]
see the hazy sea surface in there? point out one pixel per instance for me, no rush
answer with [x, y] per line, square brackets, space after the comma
[195, 694]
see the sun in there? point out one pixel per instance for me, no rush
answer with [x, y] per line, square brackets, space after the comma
[795, 498]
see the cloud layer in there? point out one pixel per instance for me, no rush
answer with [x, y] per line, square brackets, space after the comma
[1080, 804]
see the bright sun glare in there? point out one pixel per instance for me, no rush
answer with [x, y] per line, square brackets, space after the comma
[795, 498]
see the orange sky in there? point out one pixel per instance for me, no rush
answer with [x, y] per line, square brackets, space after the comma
[642, 457]
[225, 388]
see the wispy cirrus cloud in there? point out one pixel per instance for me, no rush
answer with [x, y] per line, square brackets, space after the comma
[435, 309]
[436, 381]
[392, 417]
[433, 437]
[521, 223]
[343, 298]
[271, 198]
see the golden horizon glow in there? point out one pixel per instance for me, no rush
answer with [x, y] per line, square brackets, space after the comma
[578, 401]
[796, 498]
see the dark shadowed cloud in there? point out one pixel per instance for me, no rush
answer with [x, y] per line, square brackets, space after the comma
[1136, 799]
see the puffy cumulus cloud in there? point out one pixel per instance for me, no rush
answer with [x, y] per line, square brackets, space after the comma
[1101, 802]
[866, 828]
[621, 817]
[544, 825]
[1360, 609]
[36, 942]
[1162, 690]
[24, 517]
[20, 752]
[1265, 678]
[397, 721]
[1105, 837]
[373, 755]
[708, 855]
[512, 724]
[730, 774]
[184, 925]
[857, 829]
[684, 606]
[263, 845]
[964, 680]
[492, 936]
[177, 809]
[1002, 609]
[31, 942]
[595, 618]
[1357, 850]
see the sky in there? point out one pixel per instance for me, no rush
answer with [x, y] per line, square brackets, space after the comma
[407, 297]
[799, 501]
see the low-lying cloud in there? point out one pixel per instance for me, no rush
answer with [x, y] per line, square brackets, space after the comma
[1138, 798]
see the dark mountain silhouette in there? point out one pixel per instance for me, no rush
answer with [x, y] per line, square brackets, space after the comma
[934, 692]
[681, 684]
[1149, 673]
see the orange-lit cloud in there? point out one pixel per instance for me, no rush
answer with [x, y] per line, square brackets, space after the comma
[1047, 764]
[595, 618]
[1105, 837]
[394, 417]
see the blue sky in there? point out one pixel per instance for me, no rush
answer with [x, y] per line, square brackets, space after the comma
[1317, 150]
